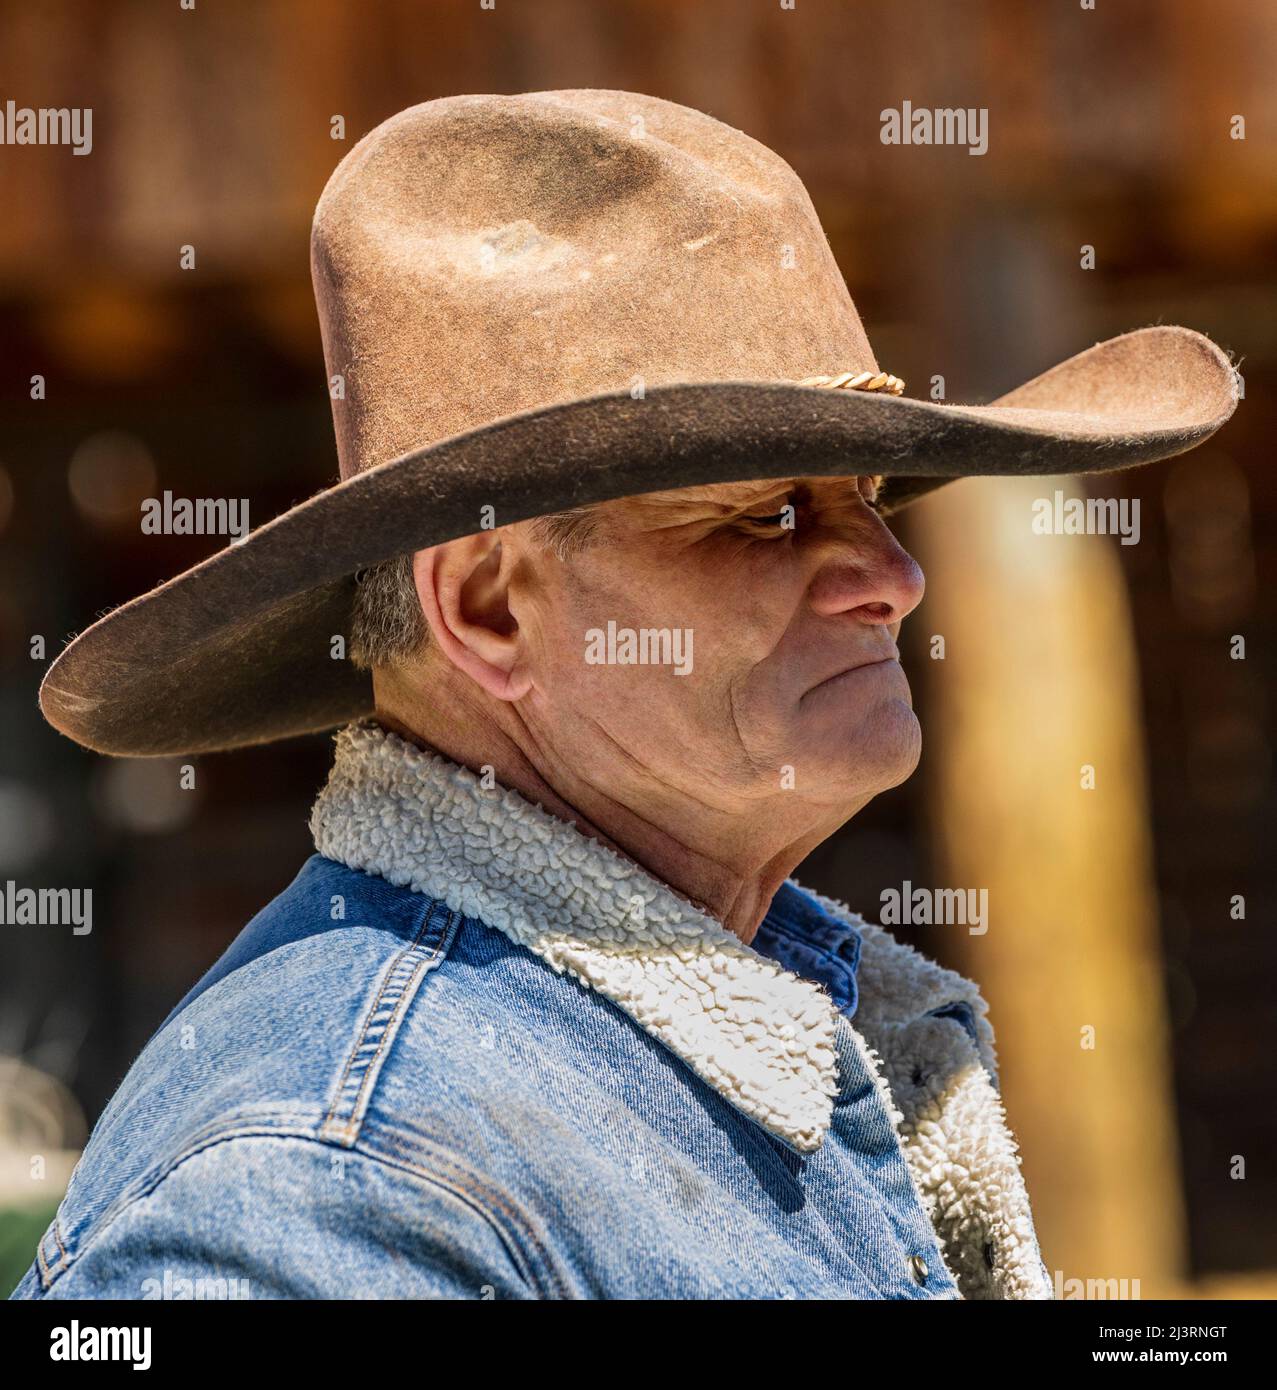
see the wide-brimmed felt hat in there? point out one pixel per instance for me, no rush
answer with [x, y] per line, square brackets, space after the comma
[529, 303]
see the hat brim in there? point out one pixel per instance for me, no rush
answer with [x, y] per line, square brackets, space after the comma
[238, 650]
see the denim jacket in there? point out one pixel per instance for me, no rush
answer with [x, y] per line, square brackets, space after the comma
[470, 1052]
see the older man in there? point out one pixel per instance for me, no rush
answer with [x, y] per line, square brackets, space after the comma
[606, 609]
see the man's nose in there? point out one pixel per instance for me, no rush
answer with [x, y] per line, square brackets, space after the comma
[871, 575]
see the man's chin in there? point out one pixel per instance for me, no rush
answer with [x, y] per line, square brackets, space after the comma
[878, 753]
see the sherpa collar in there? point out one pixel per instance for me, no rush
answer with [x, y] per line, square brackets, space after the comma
[760, 1035]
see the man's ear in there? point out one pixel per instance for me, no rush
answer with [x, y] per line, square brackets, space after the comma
[463, 587]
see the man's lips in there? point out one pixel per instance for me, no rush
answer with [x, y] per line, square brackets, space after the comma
[869, 662]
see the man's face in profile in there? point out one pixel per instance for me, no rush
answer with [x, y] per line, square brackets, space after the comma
[792, 592]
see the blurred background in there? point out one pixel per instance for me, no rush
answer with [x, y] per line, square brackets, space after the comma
[1130, 961]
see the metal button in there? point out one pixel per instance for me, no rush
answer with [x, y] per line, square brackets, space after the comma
[918, 1268]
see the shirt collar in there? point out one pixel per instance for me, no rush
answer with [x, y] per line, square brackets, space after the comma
[808, 940]
[762, 1035]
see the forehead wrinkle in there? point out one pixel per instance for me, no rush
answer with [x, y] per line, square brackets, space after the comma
[726, 500]
[724, 497]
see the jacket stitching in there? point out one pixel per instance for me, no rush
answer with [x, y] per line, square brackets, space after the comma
[481, 1193]
[48, 1272]
[146, 1186]
[389, 1031]
[258, 1132]
[376, 1004]
[349, 1130]
[57, 1235]
[47, 1275]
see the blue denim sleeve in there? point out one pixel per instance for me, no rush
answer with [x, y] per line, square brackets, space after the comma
[287, 1217]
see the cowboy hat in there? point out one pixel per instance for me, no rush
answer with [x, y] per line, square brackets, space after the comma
[530, 303]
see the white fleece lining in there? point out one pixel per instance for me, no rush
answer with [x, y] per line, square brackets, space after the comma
[760, 1035]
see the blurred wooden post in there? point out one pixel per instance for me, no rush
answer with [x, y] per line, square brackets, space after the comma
[1038, 680]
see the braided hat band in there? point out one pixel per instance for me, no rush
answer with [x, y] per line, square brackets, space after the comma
[858, 381]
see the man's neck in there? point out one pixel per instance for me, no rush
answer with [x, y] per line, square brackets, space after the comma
[736, 888]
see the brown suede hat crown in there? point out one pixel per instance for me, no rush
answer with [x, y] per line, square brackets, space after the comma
[534, 302]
